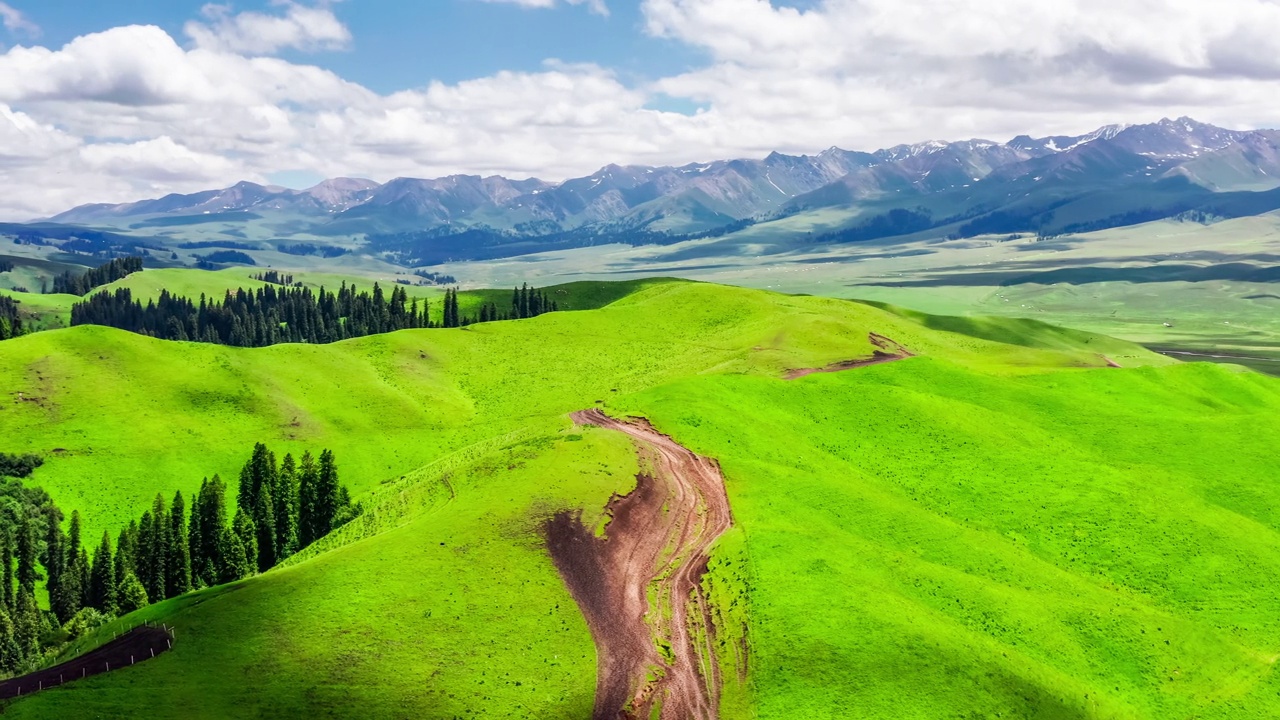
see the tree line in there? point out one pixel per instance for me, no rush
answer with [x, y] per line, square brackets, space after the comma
[249, 318]
[280, 509]
[11, 325]
[25, 630]
[82, 284]
[272, 315]
[275, 277]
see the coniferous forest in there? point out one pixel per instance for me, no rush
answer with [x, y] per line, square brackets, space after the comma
[11, 325]
[174, 548]
[273, 315]
[83, 284]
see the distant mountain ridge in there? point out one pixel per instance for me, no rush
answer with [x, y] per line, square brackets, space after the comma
[949, 182]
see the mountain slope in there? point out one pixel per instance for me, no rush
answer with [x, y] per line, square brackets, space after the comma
[473, 217]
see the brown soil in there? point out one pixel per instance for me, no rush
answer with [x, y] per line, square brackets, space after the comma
[140, 644]
[887, 351]
[656, 546]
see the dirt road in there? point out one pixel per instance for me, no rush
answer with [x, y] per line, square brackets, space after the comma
[140, 644]
[656, 546]
[886, 351]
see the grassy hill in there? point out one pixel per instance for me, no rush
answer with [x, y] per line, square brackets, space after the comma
[1000, 526]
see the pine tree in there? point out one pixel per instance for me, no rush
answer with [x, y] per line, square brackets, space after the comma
[214, 529]
[61, 598]
[140, 552]
[326, 495]
[27, 575]
[6, 558]
[10, 654]
[26, 623]
[264, 523]
[158, 550]
[82, 570]
[178, 561]
[245, 531]
[102, 580]
[75, 576]
[195, 539]
[308, 485]
[286, 509]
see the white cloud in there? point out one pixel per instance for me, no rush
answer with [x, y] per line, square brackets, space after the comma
[596, 6]
[254, 33]
[131, 112]
[14, 21]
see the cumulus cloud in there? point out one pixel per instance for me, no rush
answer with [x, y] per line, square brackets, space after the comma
[15, 22]
[597, 6]
[253, 33]
[861, 74]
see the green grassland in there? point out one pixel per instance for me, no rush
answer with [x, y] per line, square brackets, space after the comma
[1126, 280]
[929, 542]
[1002, 526]
[54, 311]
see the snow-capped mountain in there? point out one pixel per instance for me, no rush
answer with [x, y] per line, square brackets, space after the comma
[702, 197]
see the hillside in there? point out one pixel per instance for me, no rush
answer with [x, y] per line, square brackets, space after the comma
[967, 514]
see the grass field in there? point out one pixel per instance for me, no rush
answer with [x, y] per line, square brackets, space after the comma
[1123, 281]
[1002, 526]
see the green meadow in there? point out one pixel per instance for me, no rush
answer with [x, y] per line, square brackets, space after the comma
[1004, 525]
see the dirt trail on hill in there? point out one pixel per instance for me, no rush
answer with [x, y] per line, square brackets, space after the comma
[887, 351]
[656, 546]
[141, 643]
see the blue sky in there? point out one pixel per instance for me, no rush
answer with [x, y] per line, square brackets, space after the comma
[109, 101]
[400, 44]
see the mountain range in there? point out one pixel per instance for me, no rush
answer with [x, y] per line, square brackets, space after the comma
[1115, 175]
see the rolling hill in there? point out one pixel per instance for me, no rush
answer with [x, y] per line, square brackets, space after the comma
[1002, 524]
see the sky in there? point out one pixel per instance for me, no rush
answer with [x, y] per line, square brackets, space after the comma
[128, 99]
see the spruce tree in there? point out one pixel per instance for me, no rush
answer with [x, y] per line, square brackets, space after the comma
[308, 485]
[195, 539]
[286, 509]
[10, 654]
[178, 562]
[245, 531]
[55, 562]
[140, 552]
[158, 551]
[215, 524]
[102, 580]
[264, 523]
[326, 495]
[27, 575]
[126, 548]
[75, 574]
[26, 623]
[82, 570]
[6, 559]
